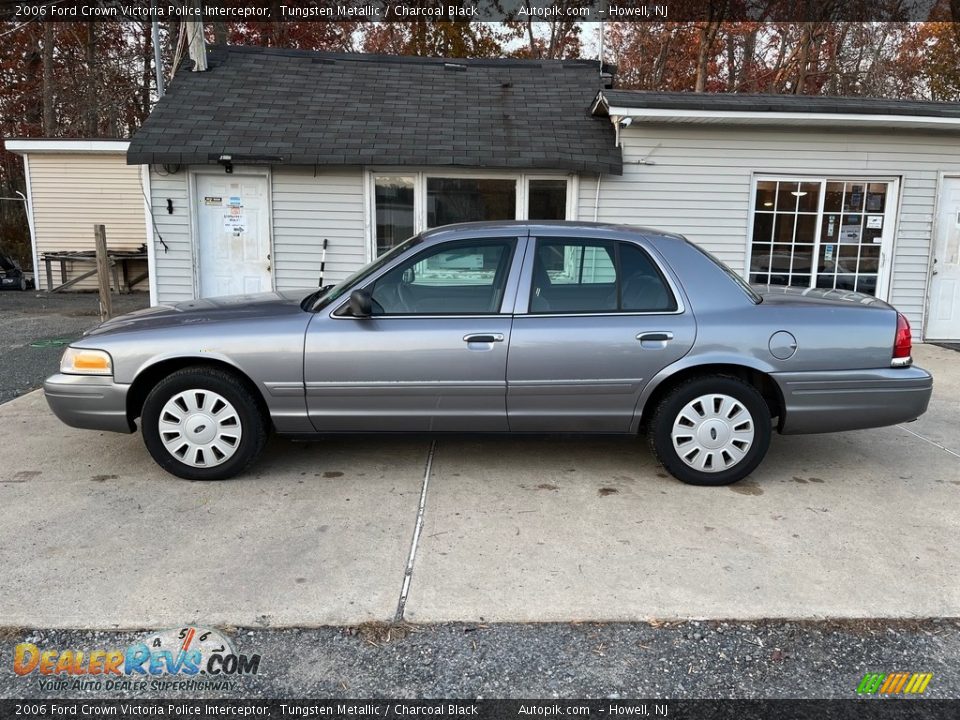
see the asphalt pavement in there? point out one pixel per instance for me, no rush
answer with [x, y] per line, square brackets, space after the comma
[564, 660]
[35, 327]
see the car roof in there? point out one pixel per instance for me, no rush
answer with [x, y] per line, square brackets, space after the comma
[569, 227]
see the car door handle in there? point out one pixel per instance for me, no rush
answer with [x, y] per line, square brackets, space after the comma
[655, 337]
[483, 337]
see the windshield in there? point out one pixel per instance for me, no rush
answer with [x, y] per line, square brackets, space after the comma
[319, 299]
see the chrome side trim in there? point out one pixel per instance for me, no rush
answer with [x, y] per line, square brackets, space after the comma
[330, 389]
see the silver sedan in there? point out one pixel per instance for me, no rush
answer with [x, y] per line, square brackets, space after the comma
[497, 328]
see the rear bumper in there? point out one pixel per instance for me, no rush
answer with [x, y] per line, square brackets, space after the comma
[819, 402]
[89, 402]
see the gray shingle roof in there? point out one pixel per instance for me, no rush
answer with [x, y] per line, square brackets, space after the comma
[277, 106]
[722, 102]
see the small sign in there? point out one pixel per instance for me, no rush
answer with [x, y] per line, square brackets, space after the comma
[210, 200]
[235, 201]
[828, 252]
[234, 221]
[850, 233]
[875, 222]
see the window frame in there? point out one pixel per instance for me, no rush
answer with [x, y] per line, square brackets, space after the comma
[891, 219]
[420, 176]
[655, 262]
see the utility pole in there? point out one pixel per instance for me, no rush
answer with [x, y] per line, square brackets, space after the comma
[157, 55]
[196, 45]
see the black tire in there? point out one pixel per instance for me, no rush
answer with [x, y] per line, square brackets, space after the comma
[253, 424]
[667, 413]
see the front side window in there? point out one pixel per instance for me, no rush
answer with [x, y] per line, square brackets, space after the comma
[461, 278]
[586, 276]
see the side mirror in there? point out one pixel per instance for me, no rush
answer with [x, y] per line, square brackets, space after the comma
[361, 304]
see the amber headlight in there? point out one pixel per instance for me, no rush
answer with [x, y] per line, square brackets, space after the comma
[80, 361]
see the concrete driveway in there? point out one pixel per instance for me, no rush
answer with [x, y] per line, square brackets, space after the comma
[862, 524]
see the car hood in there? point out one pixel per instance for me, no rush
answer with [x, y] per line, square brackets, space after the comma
[206, 310]
[780, 294]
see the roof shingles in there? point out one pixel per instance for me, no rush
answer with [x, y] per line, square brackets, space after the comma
[368, 109]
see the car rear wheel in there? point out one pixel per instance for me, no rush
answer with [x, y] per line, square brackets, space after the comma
[203, 424]
[711, 430]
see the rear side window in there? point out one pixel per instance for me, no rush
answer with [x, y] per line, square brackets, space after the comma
[643, 287]
[596, 276]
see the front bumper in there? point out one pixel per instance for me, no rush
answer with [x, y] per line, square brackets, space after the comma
[820, 402]
[89, 401]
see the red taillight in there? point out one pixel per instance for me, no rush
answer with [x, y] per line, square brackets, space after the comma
[902, 344]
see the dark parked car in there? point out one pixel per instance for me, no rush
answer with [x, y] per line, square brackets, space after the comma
[12, 276]
[503, 327]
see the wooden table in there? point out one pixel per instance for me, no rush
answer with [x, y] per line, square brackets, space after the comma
[119, 267]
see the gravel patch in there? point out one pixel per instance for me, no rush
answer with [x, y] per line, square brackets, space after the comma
[558, 660]
[35, 327]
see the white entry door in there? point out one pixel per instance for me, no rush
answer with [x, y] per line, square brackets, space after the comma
[943, 316]
[234, 234]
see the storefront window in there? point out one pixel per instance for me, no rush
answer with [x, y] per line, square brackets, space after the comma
[800, 241]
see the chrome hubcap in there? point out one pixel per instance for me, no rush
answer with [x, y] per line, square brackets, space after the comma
[200, 428]
[713, 433]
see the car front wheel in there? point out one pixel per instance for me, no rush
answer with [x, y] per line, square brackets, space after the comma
[203, 424]
[711, 430]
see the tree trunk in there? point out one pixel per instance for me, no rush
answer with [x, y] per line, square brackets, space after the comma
[731, 63]
[220, 33]
[748, 75]
[47, 59]
[92, 109]
[534, 50]
[804, 59]
[708, 34]
[147, 70]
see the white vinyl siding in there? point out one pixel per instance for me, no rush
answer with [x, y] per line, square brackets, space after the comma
[699, 178]
[311, 205]
[174, 265]
[71, 193]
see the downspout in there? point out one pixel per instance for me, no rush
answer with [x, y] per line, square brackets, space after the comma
[31, 221]
[596, 200]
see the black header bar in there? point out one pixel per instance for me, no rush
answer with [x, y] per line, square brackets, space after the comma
[480, 10]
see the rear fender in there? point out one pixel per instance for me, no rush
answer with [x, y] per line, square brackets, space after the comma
[708, 363]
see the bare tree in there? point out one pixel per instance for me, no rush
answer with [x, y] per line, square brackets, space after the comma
[47, 60]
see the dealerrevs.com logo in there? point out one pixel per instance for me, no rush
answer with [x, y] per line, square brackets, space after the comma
[897, 683]
[186, 658]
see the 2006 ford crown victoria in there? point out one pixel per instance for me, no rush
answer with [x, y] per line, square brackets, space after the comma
[502, 327]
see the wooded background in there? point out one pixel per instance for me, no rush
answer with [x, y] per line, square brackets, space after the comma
[96, 79]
